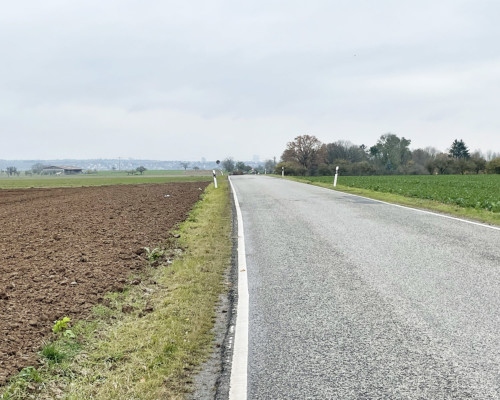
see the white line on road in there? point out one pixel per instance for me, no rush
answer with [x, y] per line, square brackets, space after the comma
[424, 211]
[411, 208]
[442, 215]
[238, 384]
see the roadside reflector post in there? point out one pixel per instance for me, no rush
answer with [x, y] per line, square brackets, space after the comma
[282, 171]
[215, 178]
[336, 175]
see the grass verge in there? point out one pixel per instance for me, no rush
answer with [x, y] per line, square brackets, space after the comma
[457, 211]
[145, 342]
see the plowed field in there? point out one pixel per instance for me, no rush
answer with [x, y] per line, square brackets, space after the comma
[61, 250]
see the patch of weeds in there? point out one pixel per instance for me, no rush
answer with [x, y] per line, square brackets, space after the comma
[153, 255]
[62, 327]
[102, 311]
[53, 374]
[115, 300]
[64, 346]
[114, 296]
[70, 347]
[30, 374]
[20, 387]
[52, 353]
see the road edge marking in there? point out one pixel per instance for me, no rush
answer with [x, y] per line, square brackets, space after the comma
[496, 228]
[423, 211]
[484, 225]
[238, 380]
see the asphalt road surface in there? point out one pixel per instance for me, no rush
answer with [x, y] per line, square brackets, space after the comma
[351, 298]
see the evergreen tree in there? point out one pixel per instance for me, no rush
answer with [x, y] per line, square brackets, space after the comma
[459, 150]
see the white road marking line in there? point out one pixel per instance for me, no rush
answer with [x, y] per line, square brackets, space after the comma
[238, 383]
[413, 209]
[438, 215]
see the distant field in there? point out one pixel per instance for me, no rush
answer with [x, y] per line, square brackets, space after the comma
[99, 179]
[481, 192]
[158, 172]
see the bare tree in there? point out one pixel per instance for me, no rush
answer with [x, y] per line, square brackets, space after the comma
[443, 163]
[344, 150]
[184, 165]
[304, 150]
[478, 161]
[491, 155]
[11, 171]
[433, 152]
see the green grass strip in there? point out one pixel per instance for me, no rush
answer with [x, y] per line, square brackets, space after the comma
[145, 342]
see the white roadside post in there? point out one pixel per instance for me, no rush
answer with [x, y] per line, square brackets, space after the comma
[283, 171]
[336, 175]
[215, 178]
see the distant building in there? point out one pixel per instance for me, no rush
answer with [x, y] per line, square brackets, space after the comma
[61, 169]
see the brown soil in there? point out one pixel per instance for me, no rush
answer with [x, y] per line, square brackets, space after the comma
[61, 250]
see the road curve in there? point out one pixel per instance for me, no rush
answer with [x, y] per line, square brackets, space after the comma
[351, 298]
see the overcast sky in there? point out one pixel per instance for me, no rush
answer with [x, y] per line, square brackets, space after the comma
[181, 80]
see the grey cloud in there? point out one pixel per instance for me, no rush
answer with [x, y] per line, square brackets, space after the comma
[349, 66]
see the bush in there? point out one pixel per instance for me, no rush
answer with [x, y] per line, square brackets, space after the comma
[291, 168]
[345, 167]
[325, 170]
[493, 166]
[363, 168]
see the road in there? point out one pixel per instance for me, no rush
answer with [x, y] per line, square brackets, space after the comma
[351, 298]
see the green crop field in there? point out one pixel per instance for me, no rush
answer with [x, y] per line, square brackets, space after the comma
[480, 192]
[100, 179]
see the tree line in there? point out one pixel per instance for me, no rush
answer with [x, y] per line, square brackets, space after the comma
[307, 155]
[38, 169]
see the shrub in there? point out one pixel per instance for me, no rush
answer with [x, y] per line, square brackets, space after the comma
[363, 168]
[325, 170]
[493, 166]
[291, 168]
